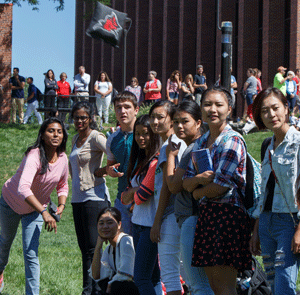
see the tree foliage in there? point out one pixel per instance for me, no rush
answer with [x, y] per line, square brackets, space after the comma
[60, 3]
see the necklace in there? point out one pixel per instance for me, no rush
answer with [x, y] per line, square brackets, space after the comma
[54, 159]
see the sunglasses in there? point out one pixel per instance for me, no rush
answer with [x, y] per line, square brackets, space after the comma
[81, 118]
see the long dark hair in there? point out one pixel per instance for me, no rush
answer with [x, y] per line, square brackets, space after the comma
[41, 145]
[190, 107]
[89, 109]
[218, 89]
[169, 106]
[47, 74]
[115, 213]
[139, 161]
[106, 76]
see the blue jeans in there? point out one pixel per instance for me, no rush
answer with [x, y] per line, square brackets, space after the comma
[126, 217]
[196, 275]
[249, 98]
[31, 229]
[169, 253]
[291, 101]
[146, 268]
[276, 231]
[198, 98]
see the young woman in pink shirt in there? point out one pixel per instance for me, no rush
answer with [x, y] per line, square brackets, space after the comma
[25, 197]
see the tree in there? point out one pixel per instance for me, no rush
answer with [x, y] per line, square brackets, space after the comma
[60, 3]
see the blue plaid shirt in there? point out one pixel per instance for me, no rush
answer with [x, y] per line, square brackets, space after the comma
[228, 155]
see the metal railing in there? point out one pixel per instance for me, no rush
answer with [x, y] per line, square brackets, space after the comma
[58, 102]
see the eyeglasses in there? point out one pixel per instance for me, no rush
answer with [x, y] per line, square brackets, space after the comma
[81, 118]
[132, 81]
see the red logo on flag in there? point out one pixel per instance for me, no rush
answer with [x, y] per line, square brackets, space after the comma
[109, 24]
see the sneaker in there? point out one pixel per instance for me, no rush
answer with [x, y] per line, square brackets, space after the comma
[1, 284]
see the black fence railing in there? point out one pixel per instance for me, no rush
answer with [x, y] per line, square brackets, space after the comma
[62, 103]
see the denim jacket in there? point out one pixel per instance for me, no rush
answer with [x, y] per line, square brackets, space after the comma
[285, 163]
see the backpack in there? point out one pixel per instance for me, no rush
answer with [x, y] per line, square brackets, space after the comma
[39, 94]
[264, 147]
[253, 178]
[253, 281]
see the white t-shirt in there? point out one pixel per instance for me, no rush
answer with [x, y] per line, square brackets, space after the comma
[291, 87]
[102, 87]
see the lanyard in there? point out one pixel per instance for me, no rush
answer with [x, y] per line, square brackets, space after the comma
[285, 199]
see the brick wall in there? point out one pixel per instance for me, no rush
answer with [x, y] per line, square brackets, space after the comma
[177, 34]
[5, 59]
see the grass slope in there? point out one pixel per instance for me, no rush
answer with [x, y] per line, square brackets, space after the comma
[59, 255]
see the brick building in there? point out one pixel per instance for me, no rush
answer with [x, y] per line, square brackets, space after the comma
[168, 35]
[5, 59]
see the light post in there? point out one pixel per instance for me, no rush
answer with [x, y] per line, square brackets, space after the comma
[226, 40]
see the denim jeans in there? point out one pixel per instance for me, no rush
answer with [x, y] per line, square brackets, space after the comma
[249, 98]
[198, 98]
[146, 268]
[126, 217]
[31, 229]
[196, 275]
[291, 101]
[169, 253]
[276, 231]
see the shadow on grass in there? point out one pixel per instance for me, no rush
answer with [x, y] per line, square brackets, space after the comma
[19, 126]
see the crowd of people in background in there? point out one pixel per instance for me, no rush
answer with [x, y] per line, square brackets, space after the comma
[170, 220]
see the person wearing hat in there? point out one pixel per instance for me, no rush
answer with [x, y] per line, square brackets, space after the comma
[279, 81]
[199, 84]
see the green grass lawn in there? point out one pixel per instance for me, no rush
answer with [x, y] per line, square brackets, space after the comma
[59, 255]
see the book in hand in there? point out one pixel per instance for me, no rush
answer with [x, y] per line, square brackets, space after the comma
[202, 160]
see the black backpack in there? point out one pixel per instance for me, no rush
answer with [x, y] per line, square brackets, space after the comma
[253, 281]
[264, 147]
[39, 94]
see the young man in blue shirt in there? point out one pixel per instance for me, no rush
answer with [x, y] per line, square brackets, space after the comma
[32, 103]
[199, 84]
[118, 149]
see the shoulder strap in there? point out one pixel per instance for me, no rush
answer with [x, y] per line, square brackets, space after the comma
[264, 147]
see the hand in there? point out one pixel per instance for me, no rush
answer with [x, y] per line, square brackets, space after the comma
[172, 148]
[206, 177]
[155, 232]
[60, 210]
[296, 242]
[50, 223]
[113, 173]
[101, 240]
[254, 244]
[108, 289]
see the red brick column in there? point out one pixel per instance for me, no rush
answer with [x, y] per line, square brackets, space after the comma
[5, 59]
[295, 35]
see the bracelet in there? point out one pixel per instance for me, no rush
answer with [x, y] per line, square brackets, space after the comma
[44, 210]
[62, 205]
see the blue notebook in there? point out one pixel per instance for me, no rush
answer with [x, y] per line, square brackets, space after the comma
[202, 160]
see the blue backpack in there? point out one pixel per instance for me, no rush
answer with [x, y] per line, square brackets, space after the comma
[253, 177]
